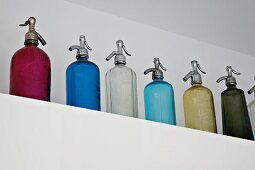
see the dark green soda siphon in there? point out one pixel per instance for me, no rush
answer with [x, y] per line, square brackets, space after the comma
[235, 118]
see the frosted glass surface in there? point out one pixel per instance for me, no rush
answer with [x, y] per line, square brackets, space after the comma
[159, 102]
[251, 108]
[121, 91]
[199, 108]
[83, 84]
[30, 73]
[235, 117]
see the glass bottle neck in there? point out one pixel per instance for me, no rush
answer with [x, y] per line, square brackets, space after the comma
[157, 79]
[120, 64]
[196, 84]
[30, 44]
[82, 58]
[229, 87]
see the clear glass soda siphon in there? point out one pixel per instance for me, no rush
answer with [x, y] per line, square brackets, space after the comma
[121, 87]
[251, 108]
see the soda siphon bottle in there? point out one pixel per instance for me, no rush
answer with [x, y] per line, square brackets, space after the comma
[235, 118]
[198, 102]
[159, 97]
[83, 79]
[251, 108]
[121, 88]
[30, 73]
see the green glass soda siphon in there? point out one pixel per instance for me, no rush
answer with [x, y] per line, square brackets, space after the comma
[235, 118]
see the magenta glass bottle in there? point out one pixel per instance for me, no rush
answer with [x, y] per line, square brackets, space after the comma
[30, 67]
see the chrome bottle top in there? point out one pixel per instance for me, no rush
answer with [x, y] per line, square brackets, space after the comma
[252, 90]
[119, 57]
[32, 36]
[81, 49]
[194, 74]
[156, 72]
[230, 80]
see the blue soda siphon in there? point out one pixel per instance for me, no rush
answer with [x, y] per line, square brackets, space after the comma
[159, 97]
[83, 79]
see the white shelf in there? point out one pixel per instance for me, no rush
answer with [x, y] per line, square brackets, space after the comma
[48, 136]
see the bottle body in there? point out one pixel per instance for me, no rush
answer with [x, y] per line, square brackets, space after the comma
[121, 91]
[251, 108]
[199, 108]
[159, 102]
[235, 118]
[30, 74]
[83, 84]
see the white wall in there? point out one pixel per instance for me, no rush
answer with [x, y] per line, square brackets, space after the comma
[61, 22]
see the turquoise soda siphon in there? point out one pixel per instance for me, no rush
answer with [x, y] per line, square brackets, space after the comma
[159, 97]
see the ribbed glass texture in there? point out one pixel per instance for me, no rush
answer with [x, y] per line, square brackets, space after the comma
[121, 91]
[83, 84]
[251, 107]
[235, 118]
[159, 102]
[199, 108]
[30, 73]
